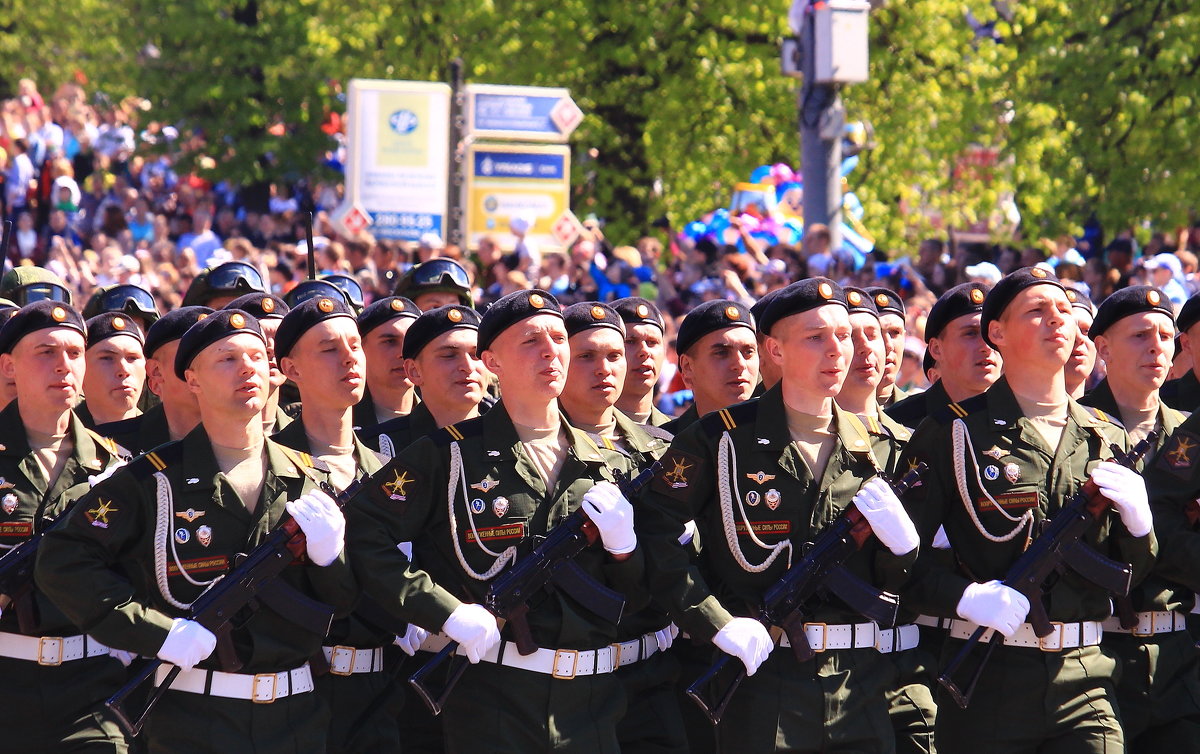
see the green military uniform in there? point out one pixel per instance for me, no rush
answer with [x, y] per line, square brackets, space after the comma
[1101, 399]
[50, 695]
[394, 435]
[1182, 393]
[683, 421]
[658, 418]
[347, 690]
[912, 410]
[499, 501]
[146, 543]
[1028, 698]
[738, 473]
[139, 434]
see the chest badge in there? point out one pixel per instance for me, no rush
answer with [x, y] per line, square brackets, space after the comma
[500, 506]
[204, 535]
[994, 452]
[9, 503]
[1012, 472]
[478, 506]
[991, 473]
[5, 484]
[485, 486]
[182, 536]
[760, 477]
[773, 498]
[677, 476]
[189, 515]
[395, 488]
[753, 498]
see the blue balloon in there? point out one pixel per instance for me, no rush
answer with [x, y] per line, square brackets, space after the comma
[760, 174]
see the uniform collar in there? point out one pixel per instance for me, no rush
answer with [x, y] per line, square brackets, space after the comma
[499, 433]
[17, 442]
[771, 430]
[1004, 411]
[295, 437]
[936, 397]
[1102, 397]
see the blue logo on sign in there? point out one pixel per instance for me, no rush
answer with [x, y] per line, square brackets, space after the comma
[403, 121]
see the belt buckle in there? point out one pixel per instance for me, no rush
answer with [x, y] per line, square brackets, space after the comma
[574, 655]
[338, 652]
[56, 652]
[1138, 631]
[824, 635]
[259, 678]
[616, 657]
[1043, 644]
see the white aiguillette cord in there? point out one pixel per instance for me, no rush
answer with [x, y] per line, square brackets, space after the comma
[964, 449]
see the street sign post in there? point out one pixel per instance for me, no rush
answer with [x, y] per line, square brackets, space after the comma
[521, 113]
[516, 180]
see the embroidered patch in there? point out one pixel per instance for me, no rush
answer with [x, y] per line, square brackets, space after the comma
[1012, 501]
[679, 469]
[1180, 454]
[765, 527]
[98, 516]
[393, 484]
[199, 565]
[16, 529]
[491, 533]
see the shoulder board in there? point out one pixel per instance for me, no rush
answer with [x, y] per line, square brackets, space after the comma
[657, 432]
[600, 441]
[959, 410]
[307, 460]
[728, 418]
[455, 432]
[108, 444]
[1103, 416]
[863, 443]
[156, 460]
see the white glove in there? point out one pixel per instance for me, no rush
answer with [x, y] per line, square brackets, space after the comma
[412, 639]
[994, 605]
[884, 511]
[613, 516]
[323, 525]
[112, 468]
[666, 637]
[689, 533]
[747, 640]
[940, 540]
[474, 628]
[1125, 489]
[187, 644]
[124, 657]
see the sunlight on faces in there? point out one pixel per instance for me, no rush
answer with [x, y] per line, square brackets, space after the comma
[645, 351]
[435, 300]
[721, 368]
[966, 363]
[866, 366]
[1083, 354]
[116, 372]
[1137, 351]
[892, 327]
[813, 349]
[269, 328]
[448, 370]
[47, 366]
[597, 372]
[1036, 328]
[230, 376]
[384, 347]
[328, 364]
[531, 357]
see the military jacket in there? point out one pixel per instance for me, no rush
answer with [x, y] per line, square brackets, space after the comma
[1008, 465]
[27, 507]
[468, 498]
[139, 434]
[740, 477]
[683, 421]
[912, 410]
[1173, 483]
[394, 435]
[1101, 399]
[657, 418]
[888, 438]
[1182, 394]
[145, 543]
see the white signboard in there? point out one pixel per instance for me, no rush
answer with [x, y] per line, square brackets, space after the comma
[521, 113]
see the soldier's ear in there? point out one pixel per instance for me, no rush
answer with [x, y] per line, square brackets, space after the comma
[995, 332]
[1185, 343]
[1102, 349]
[413, 370]
[489, 360]
[287, 365]
[774, 349]
[8, 367]
[189, 378]
[686, 371]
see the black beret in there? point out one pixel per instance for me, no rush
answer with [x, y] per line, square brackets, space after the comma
[511, 309]
[709, 317]
[1007, 289]
[209, 330]
[1127, 302]
[760, 307]
[589, 315]
[639, 311]
[959, 301]
[886, 300]
[385, 310]
[927, 362]
[1189, 314]
[40, 315]
[172, 325]
[1080, 301]
[110, 324]
[799, 297]
[435, 323]
[858, 301]
[304, 316]
[260, 306]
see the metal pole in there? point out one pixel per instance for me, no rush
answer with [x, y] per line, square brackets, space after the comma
[454, 184]
[822, 118]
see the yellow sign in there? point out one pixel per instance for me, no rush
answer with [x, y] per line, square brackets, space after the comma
[507, 181]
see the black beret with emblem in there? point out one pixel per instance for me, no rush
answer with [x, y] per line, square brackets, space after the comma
[639, 311]
[1189, 314]
[799, 297]
[859, 301]
[216, 326]
[512, 309]
[589, 315]
[1081, 301]
[40, 315]
[172, 325]
[435, 323]
[260, 306]
[959, 301]
[1127, 302]
[385, 310]
[1009, 287]
[306, 315]
[710, 317]
[887, 301]
[760, 308]
[111, 324]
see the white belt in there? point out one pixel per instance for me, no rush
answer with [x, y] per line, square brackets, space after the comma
[563, 663]
[349, 660]
[932, 622]
[1149, 623]
[1064, 636]
[49, 650]
[261, 688]
[823, 636]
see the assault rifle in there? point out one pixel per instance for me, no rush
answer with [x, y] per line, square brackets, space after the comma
[552, 562]
[786, 604]
[1059, 546]
[253, 579]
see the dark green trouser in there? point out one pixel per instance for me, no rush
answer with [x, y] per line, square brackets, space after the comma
[185, 723]
[693, 659]
[1027, 700]
[420, 731]
[1158, 691]
[502, 710]
[911, 704]
[652, 723]
[348, 697]
[58, 710]
[832, 703]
